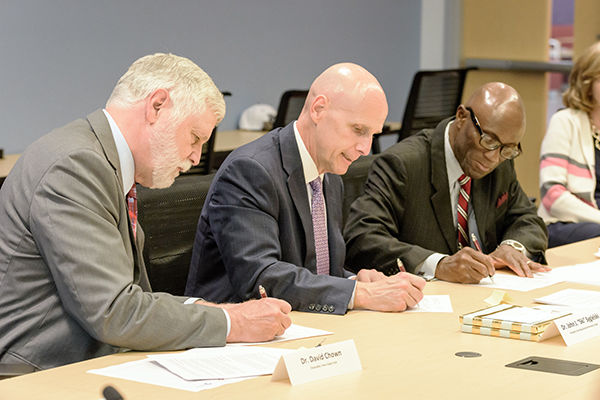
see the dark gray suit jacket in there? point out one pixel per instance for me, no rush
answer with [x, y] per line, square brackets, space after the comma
[72, 279]
[256, 229]
[406, 211]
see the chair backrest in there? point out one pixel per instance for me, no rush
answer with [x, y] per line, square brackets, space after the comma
[434, 95]
[354, 181]
[290, 105]
[207, 159]
[206, 164]
[169, 218]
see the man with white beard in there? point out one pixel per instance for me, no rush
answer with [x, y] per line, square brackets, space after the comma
[72, 277]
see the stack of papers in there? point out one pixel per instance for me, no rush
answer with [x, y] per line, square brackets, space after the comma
[206, 368]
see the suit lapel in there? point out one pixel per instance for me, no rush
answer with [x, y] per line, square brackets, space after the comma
[440, 199]
[101, 129]
[292, 165]
[480, 200]
[334, 211]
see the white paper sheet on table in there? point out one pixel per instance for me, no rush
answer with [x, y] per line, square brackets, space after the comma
[221, 362]
[572, 298]
[433, 303]
[291, 333]
[581, 273]
[149, 371]
[514, 282]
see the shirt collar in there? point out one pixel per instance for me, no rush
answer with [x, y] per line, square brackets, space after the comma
[308, 164]
[453, 168]
[124, 153]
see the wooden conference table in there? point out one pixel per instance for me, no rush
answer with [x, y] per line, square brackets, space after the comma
[403, 356]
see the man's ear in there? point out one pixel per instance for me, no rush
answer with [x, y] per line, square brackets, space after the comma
[461, 115]
[318, 107]
[155, 103]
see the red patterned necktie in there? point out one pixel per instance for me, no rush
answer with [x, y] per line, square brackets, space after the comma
[132, 208]
[320, 227]
[462, 210]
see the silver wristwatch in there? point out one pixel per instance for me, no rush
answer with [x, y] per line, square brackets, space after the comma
[514, 244]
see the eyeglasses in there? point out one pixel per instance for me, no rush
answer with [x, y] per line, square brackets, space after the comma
[507, 151]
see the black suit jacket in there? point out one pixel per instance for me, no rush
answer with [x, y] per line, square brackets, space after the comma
[256, 229]
[406, 211]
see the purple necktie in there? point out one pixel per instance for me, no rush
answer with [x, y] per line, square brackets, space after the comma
[320, 227]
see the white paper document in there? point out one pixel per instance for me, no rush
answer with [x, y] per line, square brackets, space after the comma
[221, 362]
[572, 298]
[291, 333]
[581, 273]
[208, 363]
[521, 284]
[433, 303]
[149, 371]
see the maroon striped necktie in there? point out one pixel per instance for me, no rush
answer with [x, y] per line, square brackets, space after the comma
[462, 210]
[132, 208]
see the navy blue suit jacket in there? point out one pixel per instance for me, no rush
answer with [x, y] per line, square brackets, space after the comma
[256, 229]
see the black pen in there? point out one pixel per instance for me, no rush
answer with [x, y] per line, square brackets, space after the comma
[476, 242]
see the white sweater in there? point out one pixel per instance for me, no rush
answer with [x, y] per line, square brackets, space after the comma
[567, 170]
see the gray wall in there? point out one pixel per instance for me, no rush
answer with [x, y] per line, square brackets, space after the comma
[61, 58]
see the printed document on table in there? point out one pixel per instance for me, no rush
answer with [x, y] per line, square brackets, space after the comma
[581, 273]
[291, 333]
[433, 303]
[522, 284]
[221, 362]
[149, 371]
[572, 298]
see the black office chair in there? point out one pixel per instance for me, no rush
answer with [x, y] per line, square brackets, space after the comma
[169, 218]
[434, 95]
[354, 181]
[290, 106]
[207, 159]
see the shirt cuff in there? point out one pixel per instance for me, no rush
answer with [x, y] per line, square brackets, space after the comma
[428, 267]
[192, 300]
[351, 302]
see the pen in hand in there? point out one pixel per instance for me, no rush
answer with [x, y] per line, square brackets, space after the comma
[476, 242]
[400, 264]
[262, 291]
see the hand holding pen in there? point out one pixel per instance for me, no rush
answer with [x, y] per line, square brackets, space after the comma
[478, 247]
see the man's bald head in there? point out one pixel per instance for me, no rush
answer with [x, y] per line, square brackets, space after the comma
[499, 103]
[344, 83]
[344, 107]
[497, 109]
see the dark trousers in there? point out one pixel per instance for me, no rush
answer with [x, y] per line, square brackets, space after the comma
[560, 233]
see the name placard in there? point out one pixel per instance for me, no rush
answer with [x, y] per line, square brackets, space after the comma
[576, 327]
[306, 365]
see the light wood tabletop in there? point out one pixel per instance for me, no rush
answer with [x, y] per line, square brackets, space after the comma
[231, 140]
[404, 355]
[6, 164]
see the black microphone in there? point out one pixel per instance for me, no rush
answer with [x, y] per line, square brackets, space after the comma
[110, 393]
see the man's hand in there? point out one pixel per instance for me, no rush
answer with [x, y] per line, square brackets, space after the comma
[369, 275]
[258, 320]
[392, 293]
[466, 266]
[507, 256]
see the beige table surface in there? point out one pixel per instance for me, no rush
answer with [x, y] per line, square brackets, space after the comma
[404, 355]
[6, 164]
[231, 140]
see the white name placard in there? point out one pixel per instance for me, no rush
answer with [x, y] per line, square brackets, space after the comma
[576, 327]
[306, 365]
